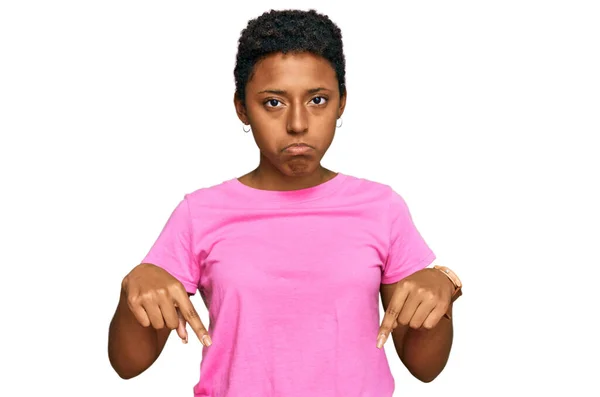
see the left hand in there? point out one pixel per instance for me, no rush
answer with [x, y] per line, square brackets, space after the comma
[419, 301]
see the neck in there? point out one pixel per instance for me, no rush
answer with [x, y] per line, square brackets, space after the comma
[267, 177]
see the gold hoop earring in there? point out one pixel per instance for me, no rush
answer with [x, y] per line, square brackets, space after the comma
[342, 122]
[249, 128]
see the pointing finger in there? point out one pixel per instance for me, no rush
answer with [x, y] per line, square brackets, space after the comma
[191, 316]
[391, 315]
[181, 330]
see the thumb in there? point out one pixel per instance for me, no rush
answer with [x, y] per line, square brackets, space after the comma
[181, 331]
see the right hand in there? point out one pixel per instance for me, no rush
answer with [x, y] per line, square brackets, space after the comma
[158, 299]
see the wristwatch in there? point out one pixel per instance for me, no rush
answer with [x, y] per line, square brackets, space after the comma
[455, 280]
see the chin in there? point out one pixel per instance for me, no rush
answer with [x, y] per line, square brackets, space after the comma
[299, 167]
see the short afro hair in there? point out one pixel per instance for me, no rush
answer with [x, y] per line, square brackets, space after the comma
[288, 31]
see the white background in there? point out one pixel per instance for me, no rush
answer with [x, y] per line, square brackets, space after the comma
[484, 115]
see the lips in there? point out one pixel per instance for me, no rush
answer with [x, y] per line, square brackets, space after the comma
[298, 148]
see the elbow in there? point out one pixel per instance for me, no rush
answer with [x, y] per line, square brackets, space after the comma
[426, 378]
[124, 371]
[425, 373]
[425, 368]
[126, 375]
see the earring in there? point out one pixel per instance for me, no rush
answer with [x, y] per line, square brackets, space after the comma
[249, 128]
[342, 122]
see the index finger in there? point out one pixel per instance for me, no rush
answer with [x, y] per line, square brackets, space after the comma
[391, 314]
[189, 313]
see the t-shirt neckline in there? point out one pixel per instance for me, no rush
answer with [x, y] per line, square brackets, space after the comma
[311, 193]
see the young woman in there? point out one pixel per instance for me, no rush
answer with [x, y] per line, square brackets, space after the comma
[291, 258]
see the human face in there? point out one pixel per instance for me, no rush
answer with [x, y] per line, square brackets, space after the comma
[292, 99]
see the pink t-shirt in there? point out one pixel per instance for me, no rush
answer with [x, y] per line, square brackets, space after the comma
[291, 280]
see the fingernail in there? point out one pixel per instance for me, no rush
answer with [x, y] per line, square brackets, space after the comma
[185, 340]
[380, 341]
[206, 340]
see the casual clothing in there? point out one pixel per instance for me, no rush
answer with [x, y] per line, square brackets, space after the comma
[291, 280]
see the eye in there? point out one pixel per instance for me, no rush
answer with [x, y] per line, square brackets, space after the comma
[272, 103]
[319, 100]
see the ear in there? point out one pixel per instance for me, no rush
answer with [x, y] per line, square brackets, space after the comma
[342, 103]
[240, 109]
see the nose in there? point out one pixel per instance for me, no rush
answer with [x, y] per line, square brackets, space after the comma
[297, 119]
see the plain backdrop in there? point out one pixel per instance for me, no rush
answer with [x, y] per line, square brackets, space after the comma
[483, 115]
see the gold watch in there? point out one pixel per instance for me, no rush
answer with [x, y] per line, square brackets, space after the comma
[454, 278]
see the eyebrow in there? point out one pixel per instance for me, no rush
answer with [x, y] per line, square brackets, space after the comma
[282, 92]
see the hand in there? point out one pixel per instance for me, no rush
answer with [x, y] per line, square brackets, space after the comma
[158, 299]
[419, 301]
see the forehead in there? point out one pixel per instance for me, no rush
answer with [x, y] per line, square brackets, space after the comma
[293, 69]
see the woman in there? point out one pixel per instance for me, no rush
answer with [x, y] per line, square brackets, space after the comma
[290, 258]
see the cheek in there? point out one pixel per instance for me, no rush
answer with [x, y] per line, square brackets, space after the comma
[325, 130]
[267, 140]
[265, 133]
[326, 143]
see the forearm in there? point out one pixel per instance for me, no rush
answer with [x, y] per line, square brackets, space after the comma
[426, 352]
[132, 348]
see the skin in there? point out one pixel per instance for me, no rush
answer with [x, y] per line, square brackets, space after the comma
[414, 315]
[289, 99]
[152, 304]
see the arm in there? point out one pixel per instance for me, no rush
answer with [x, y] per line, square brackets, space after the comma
[424, 352]
[152, 303]
[155, 301]
[133, 348]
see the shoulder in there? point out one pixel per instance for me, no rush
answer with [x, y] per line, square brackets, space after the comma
[380, 189]
[207, 195]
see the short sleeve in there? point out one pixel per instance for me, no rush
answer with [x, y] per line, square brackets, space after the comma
[408, 251]
[173, 251]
